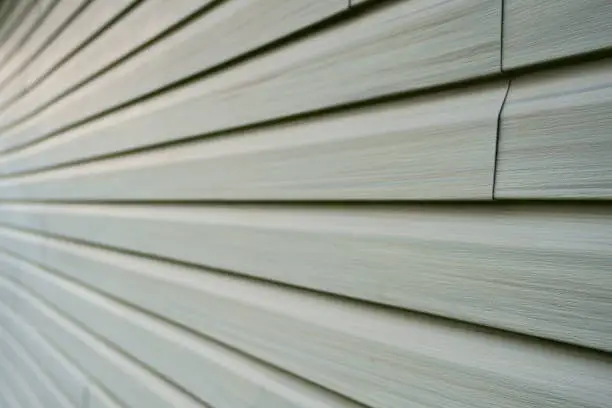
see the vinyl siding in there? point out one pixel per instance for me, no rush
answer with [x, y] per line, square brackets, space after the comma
[269, 204]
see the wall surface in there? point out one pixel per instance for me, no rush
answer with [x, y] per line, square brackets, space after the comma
[305, 203]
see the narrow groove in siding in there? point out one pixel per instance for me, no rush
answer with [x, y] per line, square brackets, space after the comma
[497, 139]
[562, 62]
[107, 343]
[71, 54]
[384, 308]
[35, 55]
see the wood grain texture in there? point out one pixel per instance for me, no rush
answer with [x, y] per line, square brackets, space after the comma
[37, 379]
[441, 146]
[404, 46]
[555, 139]
[208, 370]
[540, 31]
[539, 269]
[134, 385]
[341, 345]
[151, 17]
[227, 31]
[69, 379]
[49, 28]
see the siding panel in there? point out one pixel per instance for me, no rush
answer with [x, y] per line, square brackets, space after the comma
[539, 31]
[504, 266]
[440, 146]
[555, 137]
[363, 58]
[375, 336]
[133, 384]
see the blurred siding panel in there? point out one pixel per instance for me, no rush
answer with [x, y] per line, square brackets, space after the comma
[266, 204]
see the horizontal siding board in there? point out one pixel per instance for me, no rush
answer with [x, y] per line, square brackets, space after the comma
[132, 384]
[350, 349]
[435, 147]
[224, 378]
[403, 46]
[541, 270]
[210, 40]
[540, 31]
[50, 27]
[151, 17]
[19, 384]
[69, 379]
[37, 380]
[555, 137]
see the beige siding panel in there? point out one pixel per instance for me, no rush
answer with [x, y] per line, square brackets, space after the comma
[19, 384]
[538, 31]
[403, 46]
[49, 27]
[38, 381]
[28, 19]
[350, 349]
[68, 378]
[537, 269]
[555, 139]
[435, 147]
[224, 378]
[208, 41]
[150, 17]
[133, 384]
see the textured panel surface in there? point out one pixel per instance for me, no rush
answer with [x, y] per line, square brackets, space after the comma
[46, 33]
[404, 46]
[132, 383]
[535, 269]
[539, 31]
[556, 139]
[441, 146]
[151, 17]
[501, 368]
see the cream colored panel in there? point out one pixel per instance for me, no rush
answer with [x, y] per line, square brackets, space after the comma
[216, 374]
[556, 139]
[539, 269]
[208, 41]
[29, 19]
[404, 46]
[148, 19]
[19, 384]
[440, 146]
[539, 31]
[133, 384]
[63, 372]
[48, 28]
[365, 352]
[37, 380]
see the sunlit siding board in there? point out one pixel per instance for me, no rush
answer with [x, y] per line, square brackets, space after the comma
[441, 146]
[555, 135]
[362, 58]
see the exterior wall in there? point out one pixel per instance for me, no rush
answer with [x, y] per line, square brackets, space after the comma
[273, 203]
